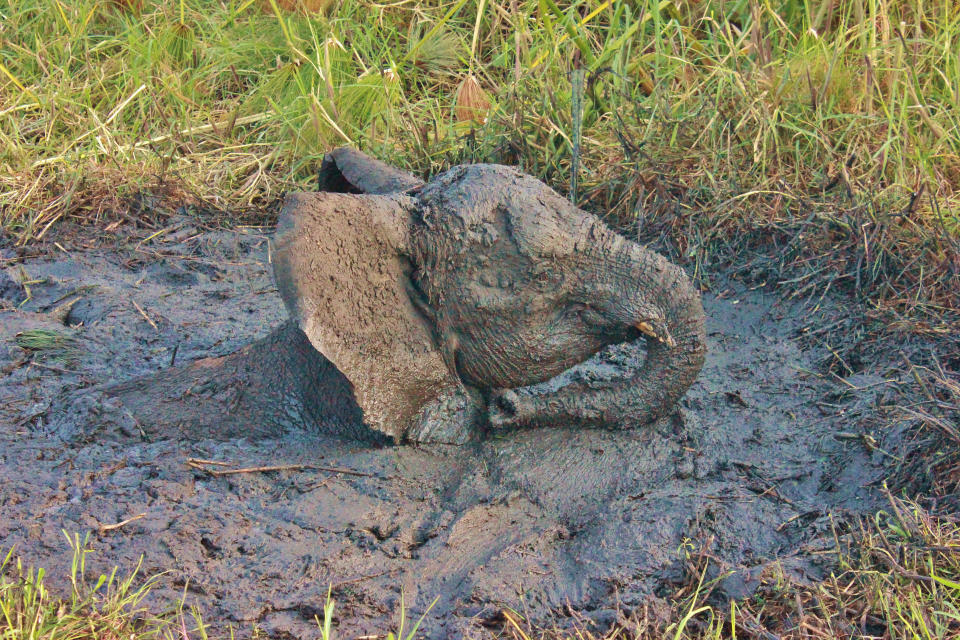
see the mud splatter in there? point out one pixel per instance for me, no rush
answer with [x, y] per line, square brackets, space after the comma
[532, 520]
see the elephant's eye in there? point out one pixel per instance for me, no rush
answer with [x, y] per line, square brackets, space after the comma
[589, 315]
[543, 278]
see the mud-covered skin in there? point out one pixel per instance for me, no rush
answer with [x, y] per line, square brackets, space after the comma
[523, 286]
[273, 385]
[517, 283]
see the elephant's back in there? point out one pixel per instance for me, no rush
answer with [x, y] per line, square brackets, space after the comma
[464, 240]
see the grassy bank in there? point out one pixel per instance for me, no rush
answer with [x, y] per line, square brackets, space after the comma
[237, 97]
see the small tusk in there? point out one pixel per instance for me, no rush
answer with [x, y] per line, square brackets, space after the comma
[647, 329]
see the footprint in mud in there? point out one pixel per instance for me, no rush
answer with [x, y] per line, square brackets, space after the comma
[534, 520]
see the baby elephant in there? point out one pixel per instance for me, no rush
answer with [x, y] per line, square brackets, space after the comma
[440, 302]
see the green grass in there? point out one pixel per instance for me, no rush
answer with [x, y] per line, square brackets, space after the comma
[44, 340]
[234, 101]
[110, 608]
[53, 345]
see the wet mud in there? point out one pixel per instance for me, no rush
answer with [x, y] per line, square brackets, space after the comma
[752, 466]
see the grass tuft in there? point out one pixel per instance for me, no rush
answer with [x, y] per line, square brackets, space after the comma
[110, 608]
[48, 344]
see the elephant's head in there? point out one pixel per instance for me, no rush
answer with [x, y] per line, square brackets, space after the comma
[525, 285]
[626, 293]
[487, 277]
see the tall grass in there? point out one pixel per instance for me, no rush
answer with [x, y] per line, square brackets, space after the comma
[236, 100]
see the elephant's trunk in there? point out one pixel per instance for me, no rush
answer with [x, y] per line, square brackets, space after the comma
[673, 361]
[643, 283]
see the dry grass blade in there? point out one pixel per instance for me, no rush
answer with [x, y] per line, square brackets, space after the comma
[111, 527]
[472, 102]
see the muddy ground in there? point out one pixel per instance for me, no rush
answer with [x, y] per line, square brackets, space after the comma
[754, 467]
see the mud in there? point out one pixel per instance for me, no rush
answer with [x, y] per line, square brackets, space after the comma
[752, 467]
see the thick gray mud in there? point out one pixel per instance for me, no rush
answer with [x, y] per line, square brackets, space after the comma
[752, 467]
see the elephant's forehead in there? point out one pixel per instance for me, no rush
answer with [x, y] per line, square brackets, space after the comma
[479, 204]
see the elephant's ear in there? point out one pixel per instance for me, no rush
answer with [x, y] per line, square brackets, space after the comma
[344, 282]
[347, 170]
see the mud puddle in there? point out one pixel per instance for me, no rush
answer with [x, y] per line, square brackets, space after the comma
[752, 467]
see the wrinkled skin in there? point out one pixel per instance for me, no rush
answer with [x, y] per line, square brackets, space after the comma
[516, 285]
[524, 286]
